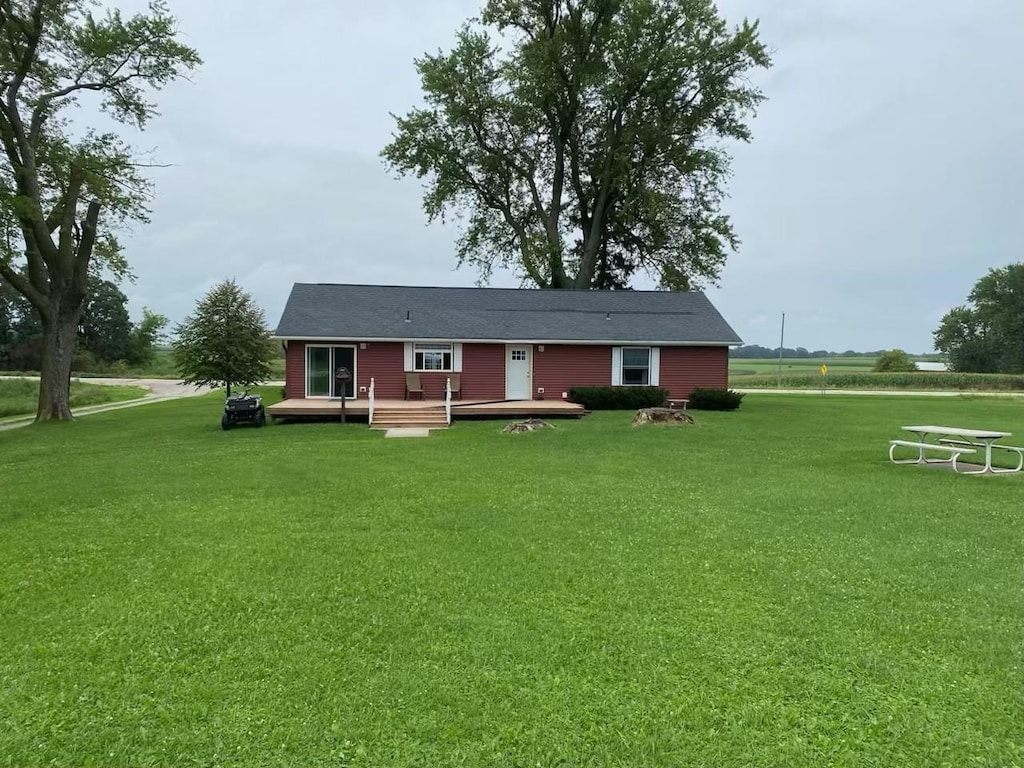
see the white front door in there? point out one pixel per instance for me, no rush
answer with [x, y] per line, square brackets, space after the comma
[517, 371]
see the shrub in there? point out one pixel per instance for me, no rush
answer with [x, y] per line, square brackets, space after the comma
[894, 361]
[712, 399]
[618, 398]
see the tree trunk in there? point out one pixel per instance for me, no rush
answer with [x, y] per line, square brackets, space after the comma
[59, 337]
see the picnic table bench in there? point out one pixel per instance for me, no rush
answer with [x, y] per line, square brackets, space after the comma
[954, 442]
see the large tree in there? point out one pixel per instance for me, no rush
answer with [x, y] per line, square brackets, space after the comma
[64, 187]
[987, 334]
[225, 341]
[586, 142]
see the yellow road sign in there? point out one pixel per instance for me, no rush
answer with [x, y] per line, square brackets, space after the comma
[824, 369]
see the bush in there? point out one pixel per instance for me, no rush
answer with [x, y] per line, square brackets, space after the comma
[618, 398]
[894, 361]
[712, 399]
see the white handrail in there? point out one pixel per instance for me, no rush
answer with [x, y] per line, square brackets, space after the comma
[448, 401]
[371, 401]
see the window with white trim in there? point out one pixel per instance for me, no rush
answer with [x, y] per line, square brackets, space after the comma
[432, 357]
[636, 366]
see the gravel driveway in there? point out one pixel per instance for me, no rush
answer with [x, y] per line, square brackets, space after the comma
[157, 387]
[159, 390]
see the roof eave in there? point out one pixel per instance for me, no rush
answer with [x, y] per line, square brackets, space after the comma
[566, 342]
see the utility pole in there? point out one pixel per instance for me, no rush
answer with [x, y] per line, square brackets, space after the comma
[782, 343]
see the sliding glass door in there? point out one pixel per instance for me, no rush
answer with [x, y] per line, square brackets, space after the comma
[321, 363]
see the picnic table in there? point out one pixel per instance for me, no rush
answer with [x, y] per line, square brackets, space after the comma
[954, 442]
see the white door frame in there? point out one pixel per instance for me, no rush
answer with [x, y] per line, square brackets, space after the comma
[509, 385]
[332, 347]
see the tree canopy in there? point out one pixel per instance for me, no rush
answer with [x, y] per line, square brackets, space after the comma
[225, 341]
[106, 329]
[106, 335]
[585, 141]
[65, 188]
[986, 335]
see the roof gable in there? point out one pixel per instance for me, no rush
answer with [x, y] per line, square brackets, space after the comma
[379, 312]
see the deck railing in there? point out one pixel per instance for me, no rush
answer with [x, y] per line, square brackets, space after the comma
[370, 399]
[448, 401]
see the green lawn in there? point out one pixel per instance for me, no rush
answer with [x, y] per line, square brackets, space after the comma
[762, 589]
[19, 397]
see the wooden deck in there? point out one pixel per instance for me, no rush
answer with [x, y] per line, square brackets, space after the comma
[360, 409]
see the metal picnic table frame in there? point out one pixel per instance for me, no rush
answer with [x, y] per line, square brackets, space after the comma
[977, 437]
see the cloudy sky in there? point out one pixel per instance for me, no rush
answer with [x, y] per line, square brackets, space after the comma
[885, 177]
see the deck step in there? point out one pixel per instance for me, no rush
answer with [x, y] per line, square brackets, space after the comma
[387, 418]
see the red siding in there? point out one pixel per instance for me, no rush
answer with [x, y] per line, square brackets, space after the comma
[483, 372]
[381, 361]
[295, 370]
[561, 367]
[557, 369]
[483, 366]
[685, 368]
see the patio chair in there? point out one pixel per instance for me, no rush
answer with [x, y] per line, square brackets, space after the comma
[456, 381]
[413, 385]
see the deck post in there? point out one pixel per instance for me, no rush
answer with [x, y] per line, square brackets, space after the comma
[370, 398]
[448, 401]
[341, 379]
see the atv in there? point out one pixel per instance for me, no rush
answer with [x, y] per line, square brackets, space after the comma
[243, 409]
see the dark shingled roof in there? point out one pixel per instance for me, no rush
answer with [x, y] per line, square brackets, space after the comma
[374, 312]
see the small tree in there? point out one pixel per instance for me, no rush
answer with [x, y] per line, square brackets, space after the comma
[145, 336]
[894, 361]
[225, 341]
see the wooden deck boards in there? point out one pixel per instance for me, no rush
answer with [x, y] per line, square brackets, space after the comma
[476, 408]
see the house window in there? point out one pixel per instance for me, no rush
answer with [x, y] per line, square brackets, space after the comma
[636, 366]
[432, 357]
[519, 354]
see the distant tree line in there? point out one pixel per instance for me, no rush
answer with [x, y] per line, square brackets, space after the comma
[106, 335]
[755, 351]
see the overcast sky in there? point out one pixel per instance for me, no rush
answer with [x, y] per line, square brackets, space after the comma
[885, 177]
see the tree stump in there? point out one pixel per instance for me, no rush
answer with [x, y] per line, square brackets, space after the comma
[661, 416]
[529, 425]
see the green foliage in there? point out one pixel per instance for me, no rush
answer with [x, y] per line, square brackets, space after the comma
[66, 189]
[145, 337]
[715, 399]
[894, 361]
[589, 144]
[106, 329]
[922, 381]
[987, 335]
[596, 595]
[618, 398]
[225, 341]
[107, 339]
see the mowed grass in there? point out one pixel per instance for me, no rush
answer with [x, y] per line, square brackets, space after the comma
[763, 588]
[19, 397]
